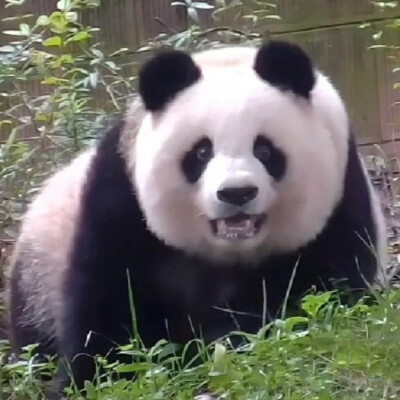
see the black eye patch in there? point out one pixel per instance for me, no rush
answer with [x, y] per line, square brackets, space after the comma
[273, 159]
[194, 161]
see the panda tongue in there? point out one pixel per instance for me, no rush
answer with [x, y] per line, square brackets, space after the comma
[238, 221]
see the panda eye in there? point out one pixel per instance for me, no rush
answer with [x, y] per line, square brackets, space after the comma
[270, 156]
[262, 151]
[195, 160]
[204, 153]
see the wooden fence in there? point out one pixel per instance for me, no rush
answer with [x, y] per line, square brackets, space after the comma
[328, 29]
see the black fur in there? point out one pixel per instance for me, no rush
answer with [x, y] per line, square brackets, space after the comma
[167, 285]
[112, 240]
[274, 160]
[164, 76]
[286, 66]
[194, 161]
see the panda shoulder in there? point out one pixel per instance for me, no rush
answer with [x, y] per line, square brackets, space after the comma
[54, 209]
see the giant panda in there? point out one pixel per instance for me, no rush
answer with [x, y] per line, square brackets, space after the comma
[233, 177]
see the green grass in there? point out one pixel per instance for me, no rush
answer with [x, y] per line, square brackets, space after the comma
[330, 352]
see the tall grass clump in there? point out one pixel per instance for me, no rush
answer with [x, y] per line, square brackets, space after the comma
[328, 352]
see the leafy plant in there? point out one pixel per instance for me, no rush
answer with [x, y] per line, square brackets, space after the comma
[331, 352]
[247, 20]
[56, 53]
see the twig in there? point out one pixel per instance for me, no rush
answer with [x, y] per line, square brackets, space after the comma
[165, 25]
[230, 30]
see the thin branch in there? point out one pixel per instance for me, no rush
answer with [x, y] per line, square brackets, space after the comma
[229, 30]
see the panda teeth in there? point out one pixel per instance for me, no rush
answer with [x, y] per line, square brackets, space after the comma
[238, 227]
[234, 231]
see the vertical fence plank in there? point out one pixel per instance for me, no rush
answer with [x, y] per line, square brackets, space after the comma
[341, 53]
[308, 14]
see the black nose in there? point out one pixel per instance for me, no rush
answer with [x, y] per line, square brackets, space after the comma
[237, 196]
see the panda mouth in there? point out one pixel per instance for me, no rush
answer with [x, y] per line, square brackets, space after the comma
[238, 227]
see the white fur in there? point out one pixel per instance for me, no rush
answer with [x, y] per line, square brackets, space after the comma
[45, 240]
[232, 105]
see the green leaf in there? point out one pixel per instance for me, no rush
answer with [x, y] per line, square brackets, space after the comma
[220, 361]
[93, 79]
[25, 29]
[311, 304]
[200, 5]
[7, 49]
[64, 5]
[13, 33]
[112, 65]
[71, 16]
[90, 390]
[291, 322]
[53, 81]
[10, 140]
[385, 4]
[79, 37]
[97, 53]
[42, 20]
[64, 59]
[58, 22]
[123, 368]
[193, 14]
[45, 118]
[14, 3]
[5, 122]
[54, 41]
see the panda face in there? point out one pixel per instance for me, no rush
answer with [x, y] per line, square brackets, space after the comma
[235, 192]
[233, 167]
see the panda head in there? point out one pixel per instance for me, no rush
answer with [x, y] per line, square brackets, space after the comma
[241, 151]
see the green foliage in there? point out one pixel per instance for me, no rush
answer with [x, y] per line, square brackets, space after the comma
[330, 352]
[247, 24]
[51, 73]
[385, 4]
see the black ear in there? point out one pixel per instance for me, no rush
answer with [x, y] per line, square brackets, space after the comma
[286, 66]
[165, 75]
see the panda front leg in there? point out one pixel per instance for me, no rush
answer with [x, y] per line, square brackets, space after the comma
[110, 238]
[96, 319]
